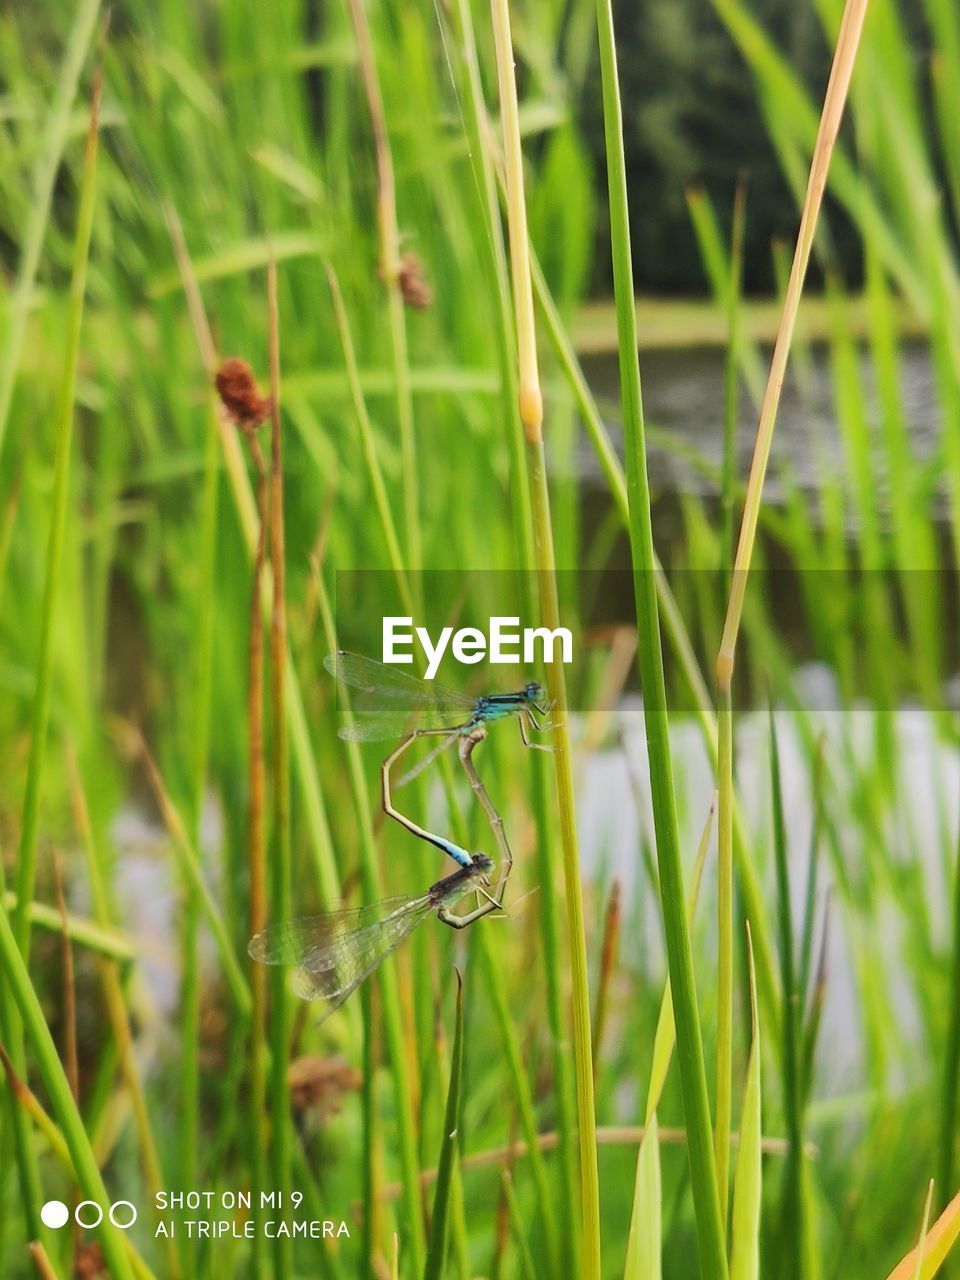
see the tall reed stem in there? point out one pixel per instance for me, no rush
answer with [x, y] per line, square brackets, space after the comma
[256, 852]
[724, 1089]
[481, 141]
[531, 416]
[280, 843]
[680, 957]
[951, 1063]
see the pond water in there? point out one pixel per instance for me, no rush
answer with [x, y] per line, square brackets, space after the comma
[683, 396]
[615, 817]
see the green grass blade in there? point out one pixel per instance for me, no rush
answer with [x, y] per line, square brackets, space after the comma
[43, 178]
[29, 829]
[689, 1043]
[793, 1234]
[924, 1225]
[526, 1265]
[748, 1182]
[644, 1242]
[665, 1035]
[436, 1253]
[86, 933]
[17, 979]
[724, 1094]
[66, 411]
[389, 989]
[951, 1057]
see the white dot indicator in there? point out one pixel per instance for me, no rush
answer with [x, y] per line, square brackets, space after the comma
[54, 1214]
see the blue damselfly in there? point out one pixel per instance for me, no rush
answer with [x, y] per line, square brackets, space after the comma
[333, 953]
[393, 704]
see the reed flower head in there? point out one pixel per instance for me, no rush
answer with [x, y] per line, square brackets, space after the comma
[413, 282]
[317, 1082]
[240, 395]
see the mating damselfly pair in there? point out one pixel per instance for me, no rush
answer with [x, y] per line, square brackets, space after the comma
[333, 953]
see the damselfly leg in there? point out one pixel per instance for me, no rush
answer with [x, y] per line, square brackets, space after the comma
[466, 748]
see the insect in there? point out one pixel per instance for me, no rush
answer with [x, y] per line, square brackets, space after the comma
[334, 953]
[466, 744]
[392, 704]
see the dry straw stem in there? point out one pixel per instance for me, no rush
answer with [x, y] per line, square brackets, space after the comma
[314, 809]
[531, 415]
[607, 1136]
[256, 837]
[835, 100]
[608, 954]
[41, 1262]
[848, 41]
[936, 1245]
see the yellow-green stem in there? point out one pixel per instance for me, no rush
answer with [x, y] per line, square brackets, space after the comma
[724, 950]
[531, 415]
[280, 844]
[690, 1055]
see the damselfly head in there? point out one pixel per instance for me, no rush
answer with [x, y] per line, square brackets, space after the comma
[534, 692]
[481, 862]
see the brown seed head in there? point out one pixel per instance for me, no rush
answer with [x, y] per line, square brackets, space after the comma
[316, 1081]
[240, 395]
[89, 1264]
[414, 284]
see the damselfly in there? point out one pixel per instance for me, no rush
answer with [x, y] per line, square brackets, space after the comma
[334, 953]
[392, 704]
[467, 742]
